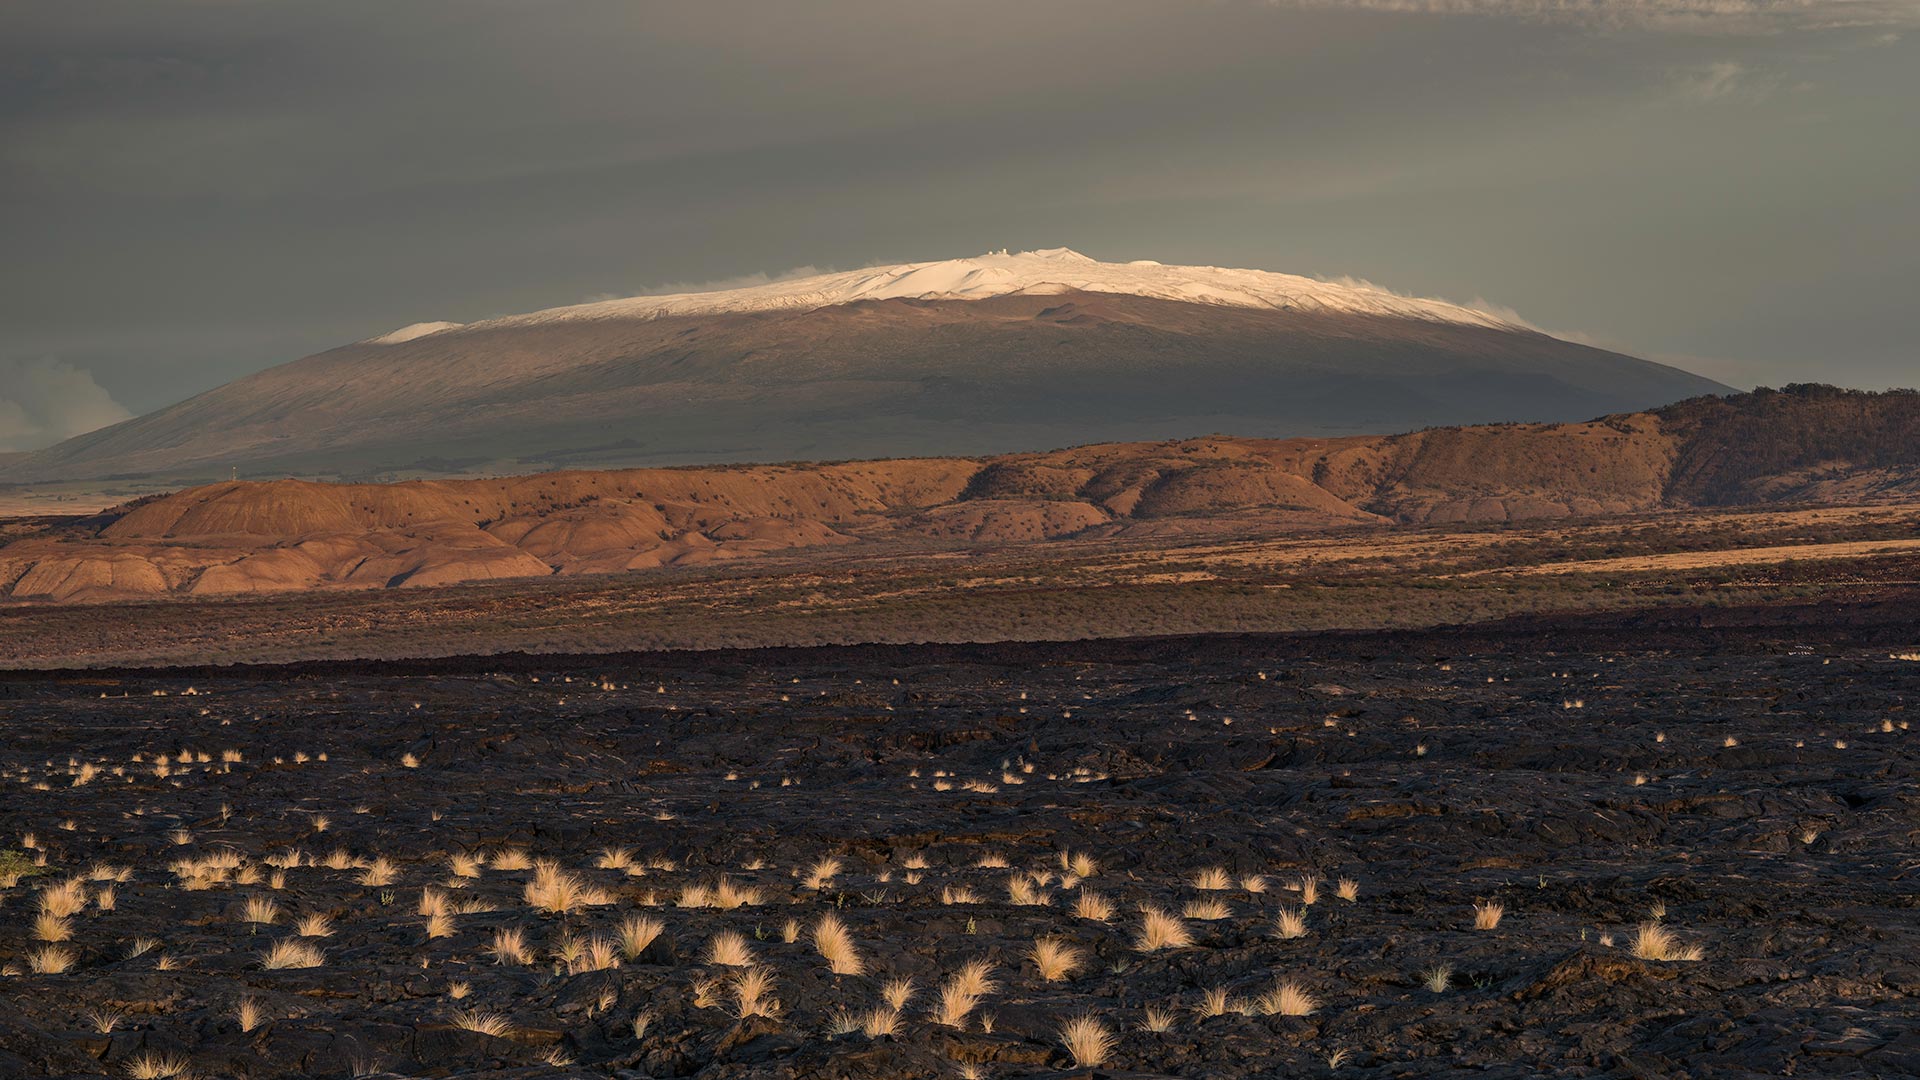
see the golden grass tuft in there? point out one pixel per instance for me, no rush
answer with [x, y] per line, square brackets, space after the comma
[1088, 1040]
[557, 892]
[729, 949]
[380, 873]
[1207, 910]
[511, 859]
[1487, 916]
[1653, 941]
[247, 1014]
[67, 898]
[260, 910]
[1159, 930]
[1093, 906]
[1286, 999]
[313, 924]
[510, 947]
[897, 992]
[636, 933]
[151, 1066]
[50, 927]
[1213, 879]
[292, 953]
[492, 1024]
[1290, 923]
[1056, 960]
[1348, 889]
[752, 993]
[51, 960]
[834, 942]
[1022, 892]
[1438, 977]
[822, 873]
[880, 1021]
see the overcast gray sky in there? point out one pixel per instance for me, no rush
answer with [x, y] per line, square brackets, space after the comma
[194, 189]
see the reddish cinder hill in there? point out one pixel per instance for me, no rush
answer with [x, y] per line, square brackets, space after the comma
[1808, 444]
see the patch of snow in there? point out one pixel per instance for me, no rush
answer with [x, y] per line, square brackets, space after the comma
[408, 333]
[1044, 272]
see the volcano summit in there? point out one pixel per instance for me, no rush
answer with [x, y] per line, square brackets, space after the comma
[1000, 352]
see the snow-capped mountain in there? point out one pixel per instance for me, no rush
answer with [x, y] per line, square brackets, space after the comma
[968, 356]
[1049, 272]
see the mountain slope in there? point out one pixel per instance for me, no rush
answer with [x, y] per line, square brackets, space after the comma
[965, 357]
[1808, 444]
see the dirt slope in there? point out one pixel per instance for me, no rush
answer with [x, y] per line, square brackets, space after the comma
[1813, 444]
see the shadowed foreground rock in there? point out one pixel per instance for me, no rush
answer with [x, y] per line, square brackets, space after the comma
[1746, 790]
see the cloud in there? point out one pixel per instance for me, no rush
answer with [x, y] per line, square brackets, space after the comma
[45, 401]
[1756, 16]
[1724, 80]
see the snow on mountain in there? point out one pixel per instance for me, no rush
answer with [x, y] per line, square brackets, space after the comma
[411, 332]
[1052, 270]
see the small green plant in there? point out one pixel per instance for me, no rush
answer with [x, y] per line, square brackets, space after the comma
[15, 865]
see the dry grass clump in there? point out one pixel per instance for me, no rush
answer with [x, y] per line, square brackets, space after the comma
[510, 947]
[1348, 889]
[104, 1021]
[1088, 1040]
[1207, 910]
[1214, 1003]
[958, 894]
[1157, 1021]
[260, 910]
[897, 992]
[594, 954]
[313, 925]
[1093, 906]
[1487, 916]
[1290, 923]
[636, 933]
[50, 927]
[1653, 941]
[292, 953]
[1438, 977]
[380, 873]
[247, 1014]
[727, 896]
[67, 898]
[822, 873]
[511, 859]
[835, 943]
[1079, 864]
[461, 865]
[492, 1024]
[1023, 892]
[752, 993]
[557, 892]
[51, 960]
[157, 1067]
[1286, 999]
[729, 949]
[962, 991]
[1159, 930]
[1213, 879]
[1309, 890]
[1056, 960]
[880, 1021]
